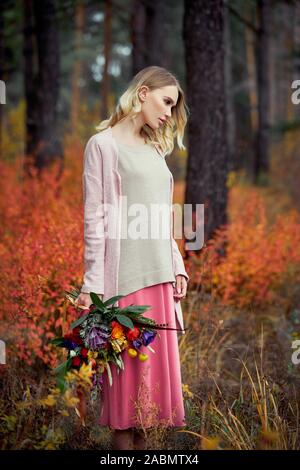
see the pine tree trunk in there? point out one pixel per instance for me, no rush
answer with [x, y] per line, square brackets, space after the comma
[261, 163]
[42, 86]
[207, 168]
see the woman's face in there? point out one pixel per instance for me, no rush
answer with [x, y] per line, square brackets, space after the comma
[157, 104]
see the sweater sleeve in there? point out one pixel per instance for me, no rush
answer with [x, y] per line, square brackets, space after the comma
[178, 261]
[94, 239]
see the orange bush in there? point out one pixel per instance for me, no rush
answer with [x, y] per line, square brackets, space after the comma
[41, 252]
[260, 257]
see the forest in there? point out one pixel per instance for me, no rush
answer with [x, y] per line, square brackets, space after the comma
[63, 66]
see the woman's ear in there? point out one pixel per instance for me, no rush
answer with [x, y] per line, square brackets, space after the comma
[143, 92]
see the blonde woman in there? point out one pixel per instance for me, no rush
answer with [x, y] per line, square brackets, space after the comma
[126, 160]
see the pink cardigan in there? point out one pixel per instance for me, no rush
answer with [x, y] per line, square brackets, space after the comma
[101, 183]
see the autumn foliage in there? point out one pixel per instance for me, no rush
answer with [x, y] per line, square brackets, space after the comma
[252, 260]
[249, 262]
[41, 252]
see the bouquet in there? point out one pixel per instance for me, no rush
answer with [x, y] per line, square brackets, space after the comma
[101, 336]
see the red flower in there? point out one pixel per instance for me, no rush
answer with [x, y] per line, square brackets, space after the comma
[76, 361]
[67, 336]
[75, 337]
[84, 352]
[132, 334]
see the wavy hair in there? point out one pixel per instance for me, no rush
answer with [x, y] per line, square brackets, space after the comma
[129, 105]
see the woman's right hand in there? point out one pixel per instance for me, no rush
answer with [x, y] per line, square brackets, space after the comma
[84, 299]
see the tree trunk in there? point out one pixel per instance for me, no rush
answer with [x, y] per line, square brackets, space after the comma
[148, 28]
[231, 129]
[77, 68]
[207, 167]
[29, 84]
[41, 86]
[261, 162]
[243, 86]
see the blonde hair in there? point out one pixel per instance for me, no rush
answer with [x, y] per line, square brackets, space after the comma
[129, 105]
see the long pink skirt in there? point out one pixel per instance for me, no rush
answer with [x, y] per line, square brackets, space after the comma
[147, 394]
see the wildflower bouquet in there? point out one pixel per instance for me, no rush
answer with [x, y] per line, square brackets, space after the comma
[100, 336]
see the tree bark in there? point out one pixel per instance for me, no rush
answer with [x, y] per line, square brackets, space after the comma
[77, 68]
[148, 28]
[261, 162]
[231, 127]
[207, 167]
[41, 82]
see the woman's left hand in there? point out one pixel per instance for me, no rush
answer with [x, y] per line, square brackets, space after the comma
[180, 287]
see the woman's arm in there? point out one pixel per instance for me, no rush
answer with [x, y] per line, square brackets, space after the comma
[179, 267]
[94, 239]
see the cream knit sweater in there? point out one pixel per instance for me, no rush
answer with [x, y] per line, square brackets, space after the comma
[146, 246]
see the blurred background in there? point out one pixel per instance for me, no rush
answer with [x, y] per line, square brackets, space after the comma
[63, 66]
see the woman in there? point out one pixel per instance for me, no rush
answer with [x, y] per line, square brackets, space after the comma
[126, 158]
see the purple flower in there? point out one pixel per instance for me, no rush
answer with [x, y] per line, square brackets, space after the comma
[137, 343]
[97, 380]
[96, 338]
[69, 344]
[148, 337]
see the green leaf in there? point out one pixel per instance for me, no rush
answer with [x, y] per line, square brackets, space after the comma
[112, 300]
[61, 368]
[74, 294]
[125, 321]
[136, 309]
[96, 300]
[57, 341]
[61, 371]
[61, 383]
[79, 320]
[118, 360]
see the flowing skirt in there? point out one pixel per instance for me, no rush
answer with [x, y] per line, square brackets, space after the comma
[147, 394]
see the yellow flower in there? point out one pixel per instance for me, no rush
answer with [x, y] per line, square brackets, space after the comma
[143, 357]
[70, 376]
[49, 401]
[69, 399]
[186, 391]
[85, 372]
[132, 352]
[119, 344]
[82, 376]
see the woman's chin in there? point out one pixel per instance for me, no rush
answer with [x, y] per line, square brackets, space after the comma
[154, 126]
